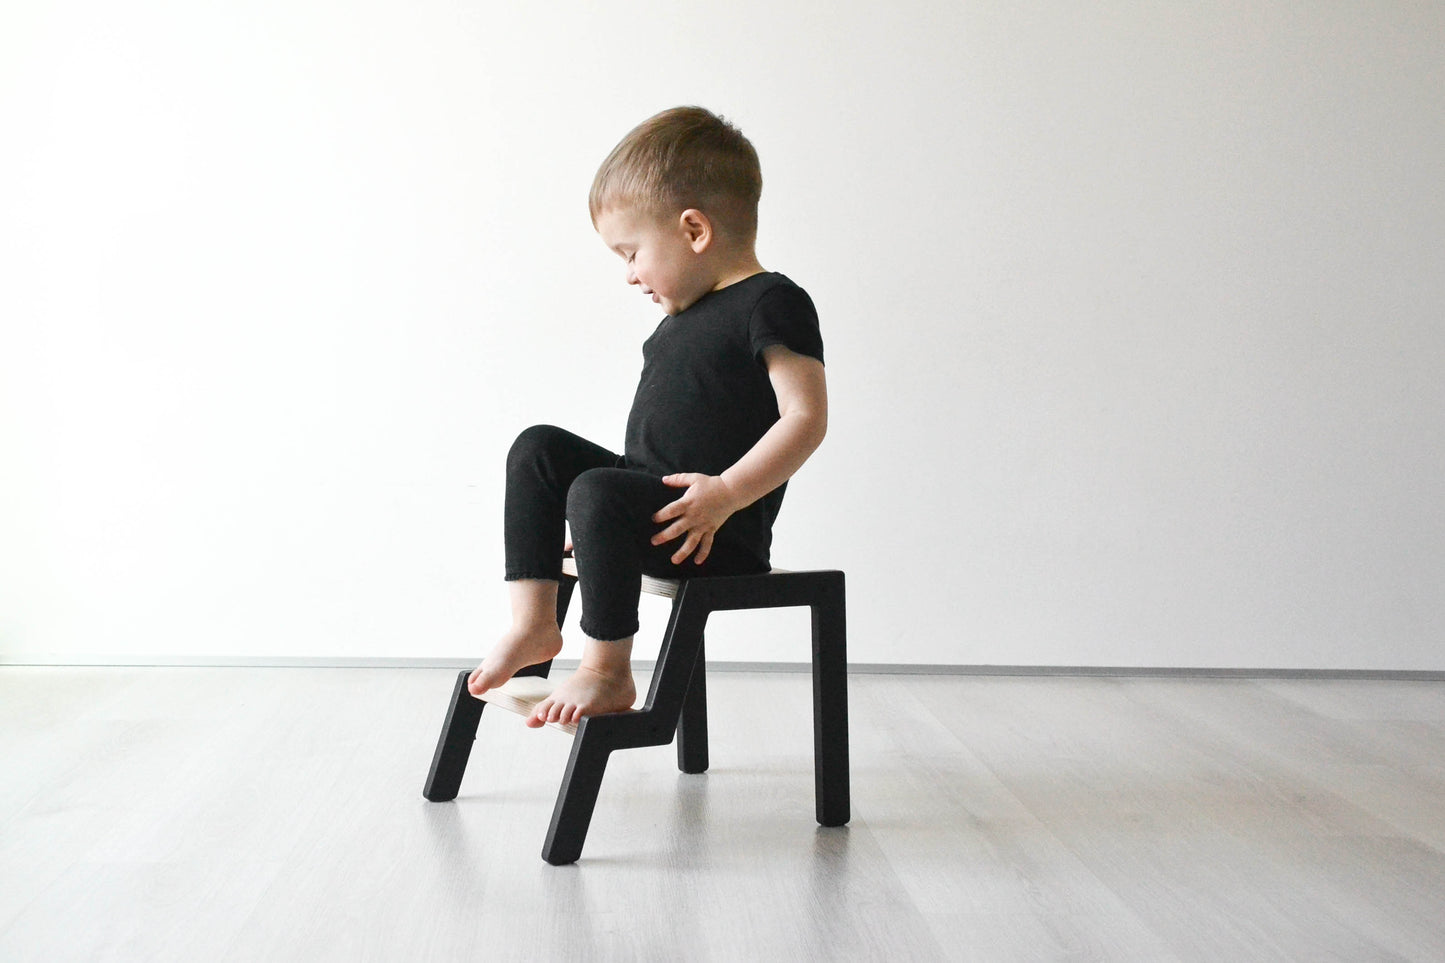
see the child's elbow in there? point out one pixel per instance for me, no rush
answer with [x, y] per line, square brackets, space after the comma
[809, 420]
[817, 422]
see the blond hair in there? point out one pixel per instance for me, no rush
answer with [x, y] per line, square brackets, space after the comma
[685, 157]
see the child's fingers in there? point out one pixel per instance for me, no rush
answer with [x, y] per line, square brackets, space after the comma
[681, 554]
[676, 530]
[669, 511]
[688, 544]
[703, 549]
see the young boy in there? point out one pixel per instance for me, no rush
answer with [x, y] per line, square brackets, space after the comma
[731, 402]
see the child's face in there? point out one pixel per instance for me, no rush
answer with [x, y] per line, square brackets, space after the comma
[663, 257]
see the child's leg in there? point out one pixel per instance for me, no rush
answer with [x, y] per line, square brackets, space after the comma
[533, 637]
[541, 467]
[610, 510]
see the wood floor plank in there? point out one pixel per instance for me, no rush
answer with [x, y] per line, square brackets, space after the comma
[277, 814]
[989, 876]
[1183, 826]
[1383, 867]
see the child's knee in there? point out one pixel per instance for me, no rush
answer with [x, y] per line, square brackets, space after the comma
[534, 443]
[599, 495]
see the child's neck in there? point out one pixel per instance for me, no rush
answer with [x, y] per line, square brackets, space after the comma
[736, 269]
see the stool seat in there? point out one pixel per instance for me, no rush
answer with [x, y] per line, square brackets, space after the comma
[664, 587]
[676, 703]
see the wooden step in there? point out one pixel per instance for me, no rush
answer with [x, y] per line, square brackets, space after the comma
[520, 694]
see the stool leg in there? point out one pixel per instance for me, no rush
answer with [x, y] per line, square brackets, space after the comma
[576, 799]
[692, 723]
[564, 597]
[830, 707]
[454, 744]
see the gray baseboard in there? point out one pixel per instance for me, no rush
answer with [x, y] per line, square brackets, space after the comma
[857, 668]
[1149, 672]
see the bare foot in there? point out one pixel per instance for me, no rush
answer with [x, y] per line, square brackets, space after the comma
[588, 692]
[518, 648]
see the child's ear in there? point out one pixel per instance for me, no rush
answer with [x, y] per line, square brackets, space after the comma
[697, 228]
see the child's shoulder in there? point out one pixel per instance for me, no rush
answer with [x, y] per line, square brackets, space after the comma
[771, 280]
[781, 312]
[777, 289]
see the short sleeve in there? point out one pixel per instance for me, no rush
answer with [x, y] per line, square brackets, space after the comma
[785, 315]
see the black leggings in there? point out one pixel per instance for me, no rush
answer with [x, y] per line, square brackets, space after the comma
[555, 477]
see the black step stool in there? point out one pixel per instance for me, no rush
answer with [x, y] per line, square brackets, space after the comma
[677, 699]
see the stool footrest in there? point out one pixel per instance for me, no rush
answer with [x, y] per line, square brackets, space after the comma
[520, 694]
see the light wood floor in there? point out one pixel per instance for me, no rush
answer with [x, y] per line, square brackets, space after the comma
[276, 814]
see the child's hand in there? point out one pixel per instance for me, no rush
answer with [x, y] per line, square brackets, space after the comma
[699, 513]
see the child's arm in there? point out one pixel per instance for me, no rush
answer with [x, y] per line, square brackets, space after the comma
[802, 391]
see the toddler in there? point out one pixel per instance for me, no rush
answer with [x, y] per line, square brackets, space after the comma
[731, 402]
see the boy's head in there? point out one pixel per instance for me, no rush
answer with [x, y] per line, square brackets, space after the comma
[681, 159]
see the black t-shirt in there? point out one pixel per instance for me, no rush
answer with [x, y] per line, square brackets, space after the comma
[704, 398]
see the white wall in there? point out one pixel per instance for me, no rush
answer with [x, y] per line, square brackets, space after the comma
[1133, 316]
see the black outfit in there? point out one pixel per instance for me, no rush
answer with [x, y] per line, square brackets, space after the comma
[703, 401]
